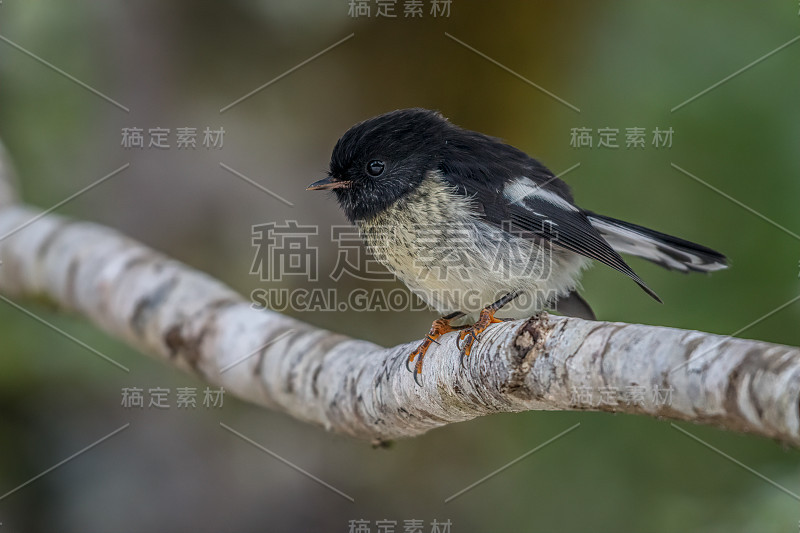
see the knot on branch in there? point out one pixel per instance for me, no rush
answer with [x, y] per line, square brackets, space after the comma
[527, 346]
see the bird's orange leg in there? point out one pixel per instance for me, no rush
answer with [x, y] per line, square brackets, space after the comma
[438, 328]
[472, 334]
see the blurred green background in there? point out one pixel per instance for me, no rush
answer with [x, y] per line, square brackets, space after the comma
[176, 64]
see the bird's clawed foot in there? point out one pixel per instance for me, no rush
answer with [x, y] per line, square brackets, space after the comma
[468, 337]
[438, 328]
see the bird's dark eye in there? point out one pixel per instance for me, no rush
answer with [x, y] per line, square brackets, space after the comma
[375, 168]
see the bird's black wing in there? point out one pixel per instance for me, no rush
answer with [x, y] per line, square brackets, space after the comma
[519, 195]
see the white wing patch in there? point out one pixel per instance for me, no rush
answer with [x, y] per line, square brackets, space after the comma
[521, 188]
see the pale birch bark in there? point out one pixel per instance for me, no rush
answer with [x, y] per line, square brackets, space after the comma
[8, 189]
[192, 321]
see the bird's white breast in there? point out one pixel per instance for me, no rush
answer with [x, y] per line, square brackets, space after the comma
[436, 243]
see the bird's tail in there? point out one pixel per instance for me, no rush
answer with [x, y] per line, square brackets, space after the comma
[665, 250]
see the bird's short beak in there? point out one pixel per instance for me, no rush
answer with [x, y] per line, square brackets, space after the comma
[327, 184]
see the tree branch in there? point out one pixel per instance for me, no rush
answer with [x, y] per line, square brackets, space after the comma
[8, 180]
[192, 321]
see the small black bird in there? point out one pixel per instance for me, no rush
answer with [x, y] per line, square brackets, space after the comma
[471, 224]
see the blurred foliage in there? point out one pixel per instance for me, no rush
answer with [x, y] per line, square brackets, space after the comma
[623, 63]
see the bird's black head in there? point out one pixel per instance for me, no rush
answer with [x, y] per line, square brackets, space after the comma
[381, 160]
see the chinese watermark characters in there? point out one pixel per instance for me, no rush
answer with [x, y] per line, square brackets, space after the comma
[632, 395]
[399, 526]
[286, 252]
[185, 138]
[402, 8]
[160, 398]
[635, 137]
